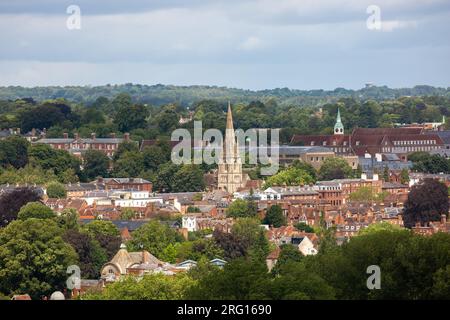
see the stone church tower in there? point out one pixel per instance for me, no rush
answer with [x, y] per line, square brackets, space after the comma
[230, 176]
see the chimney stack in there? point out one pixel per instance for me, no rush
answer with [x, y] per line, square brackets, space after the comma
[127, 136]
[93, 135]
[75, 135]
[113, 135]
[444, 218]
[65, 135]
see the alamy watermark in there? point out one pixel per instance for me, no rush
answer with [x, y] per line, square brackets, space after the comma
[209, 147]
[374, 280]
[74, 280]
[73, 22]
[373, 22]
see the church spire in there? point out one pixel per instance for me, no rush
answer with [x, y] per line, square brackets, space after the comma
[231, 154]
[229, 118]
[338, 127]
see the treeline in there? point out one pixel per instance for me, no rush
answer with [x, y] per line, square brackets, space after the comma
[121, 114]
[187, 95]
[411, 267]
[25, 163]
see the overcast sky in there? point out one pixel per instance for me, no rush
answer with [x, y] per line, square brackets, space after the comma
[251, 44]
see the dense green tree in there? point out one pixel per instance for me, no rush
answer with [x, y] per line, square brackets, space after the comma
[90, 254]
[289, 177]
[165, 177]
[45, 115]
[151, 287]
[404, 176]
[306, 167]
[426, 202]
[297, 283]
[288, 253]
[335, 168]
[35, 210]
[14, 152]
[430, 163]
[58, 161]
[241, 209]
[167, 119]
[11, 202]
[130, 164]
[34, 258]
[154, 237]
[56, 190]
[275, 217]
[127, 214]
[252, 236]
[241, 279]
[154, 156]
[189, 178]
[377, 227]
[232, 246]
[68, 219]
[107, 235]
[101, 227]
[301, 226]
[96, 164]
[131, 117]
[92, 115]
[126, 146]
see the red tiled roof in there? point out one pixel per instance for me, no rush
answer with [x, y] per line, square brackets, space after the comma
[384, 131]
[318, 140]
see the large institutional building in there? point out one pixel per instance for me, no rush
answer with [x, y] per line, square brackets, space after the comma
[370, 141]
[230, 177]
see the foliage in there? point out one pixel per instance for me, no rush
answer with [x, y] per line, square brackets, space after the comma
[335, 168]
[426, 202]
[131, 117]
[301, 226]
[68, 219]
[288, 253]
[14, 152]
[289, 177]
[101, 227]
[241, 279]
[96, 164]
[127, 214]
[424, 162]
[91, 256]
[35, 210]
[241, 208]
[11, 202]
[377, 227]
[275, 217]
[404, 176]
[33, 257]
[56, 190]
[47, 158]
[153, 237]
[366, 194]
[150, 287]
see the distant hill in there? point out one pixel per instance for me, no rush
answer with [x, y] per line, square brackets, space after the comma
[186, 95]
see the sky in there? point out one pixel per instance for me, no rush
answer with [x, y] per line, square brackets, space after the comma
[250, 44]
